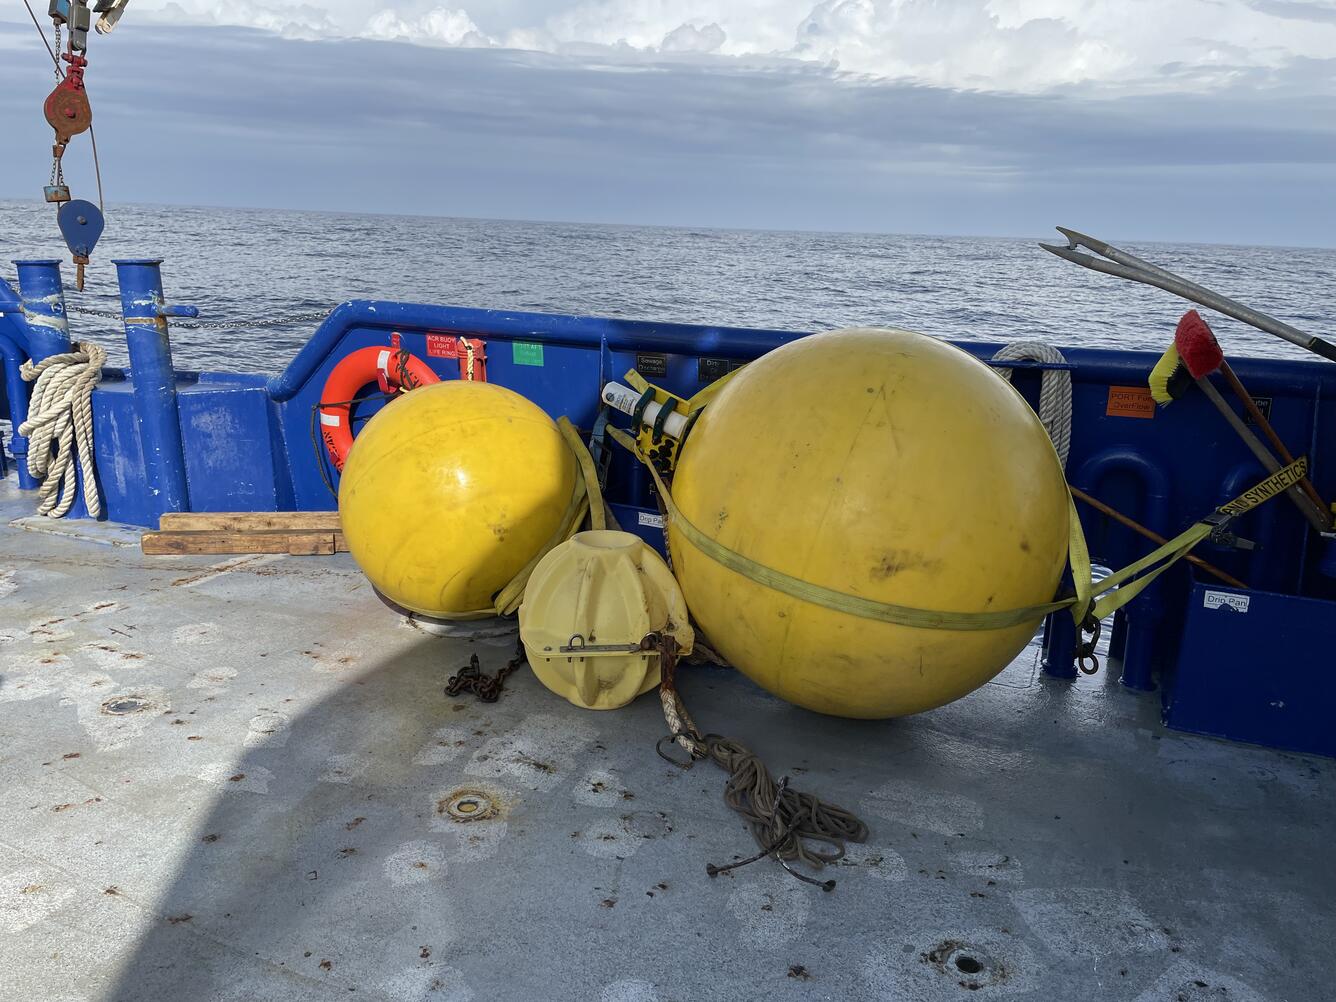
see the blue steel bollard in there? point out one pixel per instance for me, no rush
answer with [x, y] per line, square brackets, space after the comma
[154, 379]
[13, 353]
[1059, 643]
[13, 324]
[1059, 658]
[44, 307]
[43, 297]
[1118, 637]
[1143, 616]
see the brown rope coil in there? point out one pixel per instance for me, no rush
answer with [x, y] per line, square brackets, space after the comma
[787, 824]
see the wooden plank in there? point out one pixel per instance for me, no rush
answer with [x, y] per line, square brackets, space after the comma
[249, 521]
[272, 541]
[158, 543]
[311, 544]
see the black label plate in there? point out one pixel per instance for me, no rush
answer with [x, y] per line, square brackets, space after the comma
[710, 369]
[651, 364]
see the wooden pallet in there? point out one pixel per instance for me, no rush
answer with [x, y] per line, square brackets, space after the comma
[303, 533]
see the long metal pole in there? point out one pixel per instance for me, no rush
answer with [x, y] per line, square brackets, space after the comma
[1128, 266]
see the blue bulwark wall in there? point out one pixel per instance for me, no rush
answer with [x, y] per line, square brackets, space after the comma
[230, 447]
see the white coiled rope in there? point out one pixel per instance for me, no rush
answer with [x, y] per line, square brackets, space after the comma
[60, 425]
[1055, 390]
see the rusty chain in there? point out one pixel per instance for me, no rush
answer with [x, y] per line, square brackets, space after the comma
[294, 318]
[487, 688]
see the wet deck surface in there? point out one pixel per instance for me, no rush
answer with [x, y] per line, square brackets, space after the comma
[226, 778]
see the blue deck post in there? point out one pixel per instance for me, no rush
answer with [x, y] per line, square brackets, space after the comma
[1140, 649]
[16, 392]
[1059, 645]
[47, 330]
[154, 379]
[13, 324]
[13, 353]
[44, 308]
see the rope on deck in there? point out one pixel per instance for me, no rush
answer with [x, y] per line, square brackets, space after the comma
[60, 427]
[783, 822]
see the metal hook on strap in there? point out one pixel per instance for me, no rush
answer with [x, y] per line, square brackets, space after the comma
[1086, 658]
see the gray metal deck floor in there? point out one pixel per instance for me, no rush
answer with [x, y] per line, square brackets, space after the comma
[268, 824]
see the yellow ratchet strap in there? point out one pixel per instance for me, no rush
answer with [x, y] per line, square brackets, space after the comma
[1101, 598]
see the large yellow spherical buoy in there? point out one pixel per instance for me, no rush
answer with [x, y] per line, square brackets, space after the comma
[450, 491]
[885, 465]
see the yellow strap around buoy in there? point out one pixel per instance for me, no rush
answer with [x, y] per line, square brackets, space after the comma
[1115, 591]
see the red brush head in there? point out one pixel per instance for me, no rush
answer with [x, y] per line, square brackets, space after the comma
[1197, 346]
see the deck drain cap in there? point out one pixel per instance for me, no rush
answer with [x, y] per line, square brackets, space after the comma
[119, 706]
[468, 805]
[969, 965]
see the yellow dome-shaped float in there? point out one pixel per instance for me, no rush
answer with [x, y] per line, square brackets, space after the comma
[884, 465]
[450, 491]
[587, 608]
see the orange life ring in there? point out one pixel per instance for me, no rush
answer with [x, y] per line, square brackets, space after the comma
[391, 368]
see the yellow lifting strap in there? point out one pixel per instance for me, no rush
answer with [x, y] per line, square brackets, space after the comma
[586, 498]
[1101, 598]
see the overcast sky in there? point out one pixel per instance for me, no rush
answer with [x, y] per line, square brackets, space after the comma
[1156, 119]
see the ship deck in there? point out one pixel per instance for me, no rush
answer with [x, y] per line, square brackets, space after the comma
[229, 778]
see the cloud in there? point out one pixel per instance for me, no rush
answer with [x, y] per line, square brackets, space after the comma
[689, 38]
[1298, 10]
[439, 26]
[245, 118]
[1030, 46]
[282, 17]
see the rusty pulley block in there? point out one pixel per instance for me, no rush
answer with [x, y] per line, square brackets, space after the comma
[67, 108]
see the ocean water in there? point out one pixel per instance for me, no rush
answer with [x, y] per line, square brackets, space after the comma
[238, 266]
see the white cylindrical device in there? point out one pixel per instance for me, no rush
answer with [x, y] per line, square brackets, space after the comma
[624, 399]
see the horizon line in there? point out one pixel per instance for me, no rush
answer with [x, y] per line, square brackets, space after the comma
[813, 231]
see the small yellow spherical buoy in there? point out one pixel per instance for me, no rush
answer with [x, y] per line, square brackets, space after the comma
[450, 491]
[885, 465]
[588, 606]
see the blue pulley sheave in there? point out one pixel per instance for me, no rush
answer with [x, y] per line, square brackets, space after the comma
[81, 224]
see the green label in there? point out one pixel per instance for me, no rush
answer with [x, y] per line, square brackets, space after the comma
[524, 353]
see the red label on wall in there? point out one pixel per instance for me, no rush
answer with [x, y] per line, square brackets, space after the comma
[1130, 401]
[442, 346]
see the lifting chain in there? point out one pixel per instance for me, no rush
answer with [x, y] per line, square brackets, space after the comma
[56, 186]
[487, 688]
